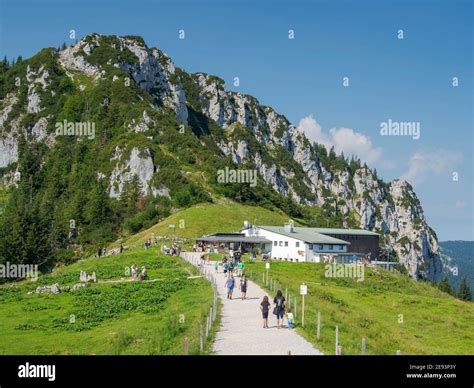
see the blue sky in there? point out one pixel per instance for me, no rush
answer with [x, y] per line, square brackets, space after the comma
[405, 80]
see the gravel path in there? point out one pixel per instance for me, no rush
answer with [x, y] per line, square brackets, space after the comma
[241, 331]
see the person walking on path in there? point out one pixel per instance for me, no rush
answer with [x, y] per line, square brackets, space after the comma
[216, 266]
[229, 284]
[279, 310]
[231, 266]
[243, 287]
[240, 268]
[265, 307]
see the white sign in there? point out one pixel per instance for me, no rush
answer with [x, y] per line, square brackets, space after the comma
[303, 289]
[171, 226]
[267, 265]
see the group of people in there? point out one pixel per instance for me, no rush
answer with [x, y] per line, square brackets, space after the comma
[134, 272]
[230, 285]
[280, 310]
[174, 250]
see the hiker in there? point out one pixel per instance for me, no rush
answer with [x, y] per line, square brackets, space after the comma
[243, 288]
[143, 274]
[134, 271]
[290, 319]
[230, 282]
[99, 253]
[265, 307]
[121, 248]
[216, 266]
[231, 266]
[225, 267]
[279, 309]
[240, 268]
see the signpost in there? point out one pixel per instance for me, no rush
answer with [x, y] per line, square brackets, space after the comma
[303, 292]
[267, 266]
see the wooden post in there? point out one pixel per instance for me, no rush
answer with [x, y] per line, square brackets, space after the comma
[186, 346]
[337, 338]
[201, 340]
[294, 308]
[289, 301]
[286, 293]
[207, 327]
[363, 346]
[318, 334]
[339, 350]
[302, 311]
[211, 314]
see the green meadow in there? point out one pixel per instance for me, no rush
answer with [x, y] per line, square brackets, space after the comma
[225, 216]
[113, 316]
[390, 310]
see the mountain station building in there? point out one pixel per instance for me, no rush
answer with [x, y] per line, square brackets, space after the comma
[299, 244]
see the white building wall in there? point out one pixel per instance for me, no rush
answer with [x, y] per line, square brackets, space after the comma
[292, 249]
[282, 247]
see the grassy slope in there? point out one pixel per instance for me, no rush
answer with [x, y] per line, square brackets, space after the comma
[433, 322]
[27, 322]
[208, 218]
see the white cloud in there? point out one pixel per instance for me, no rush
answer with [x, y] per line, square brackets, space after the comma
[342, 139]
[426, 163]
[460, 204]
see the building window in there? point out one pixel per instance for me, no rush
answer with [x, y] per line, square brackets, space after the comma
[341, 247]
[281, 243]
[275, 243]
[286, 243]
[297, 244]
[331, 247]
[321, 247]
[310, 246]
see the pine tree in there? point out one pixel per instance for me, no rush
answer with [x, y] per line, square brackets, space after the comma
[445, 286]
[464, 291]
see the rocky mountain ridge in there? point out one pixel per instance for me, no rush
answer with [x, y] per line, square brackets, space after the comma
[241, 130]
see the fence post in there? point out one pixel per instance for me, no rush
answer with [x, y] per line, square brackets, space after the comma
[286, 293]
[337, 338]
[201, 340]
[186, 346]
[294, 308]
[363, 346]
[318, 334]
[207, 327]
[211, 313]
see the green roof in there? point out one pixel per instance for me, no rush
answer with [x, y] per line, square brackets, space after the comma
[357, 232]
[309, 235]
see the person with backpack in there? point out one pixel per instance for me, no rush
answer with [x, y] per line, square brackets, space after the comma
[231, 266]
[265, 307]
[229, 284]
[243, 288]
[279, 309]
[225, 267]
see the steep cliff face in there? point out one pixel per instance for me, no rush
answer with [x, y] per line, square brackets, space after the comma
[252, 135]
